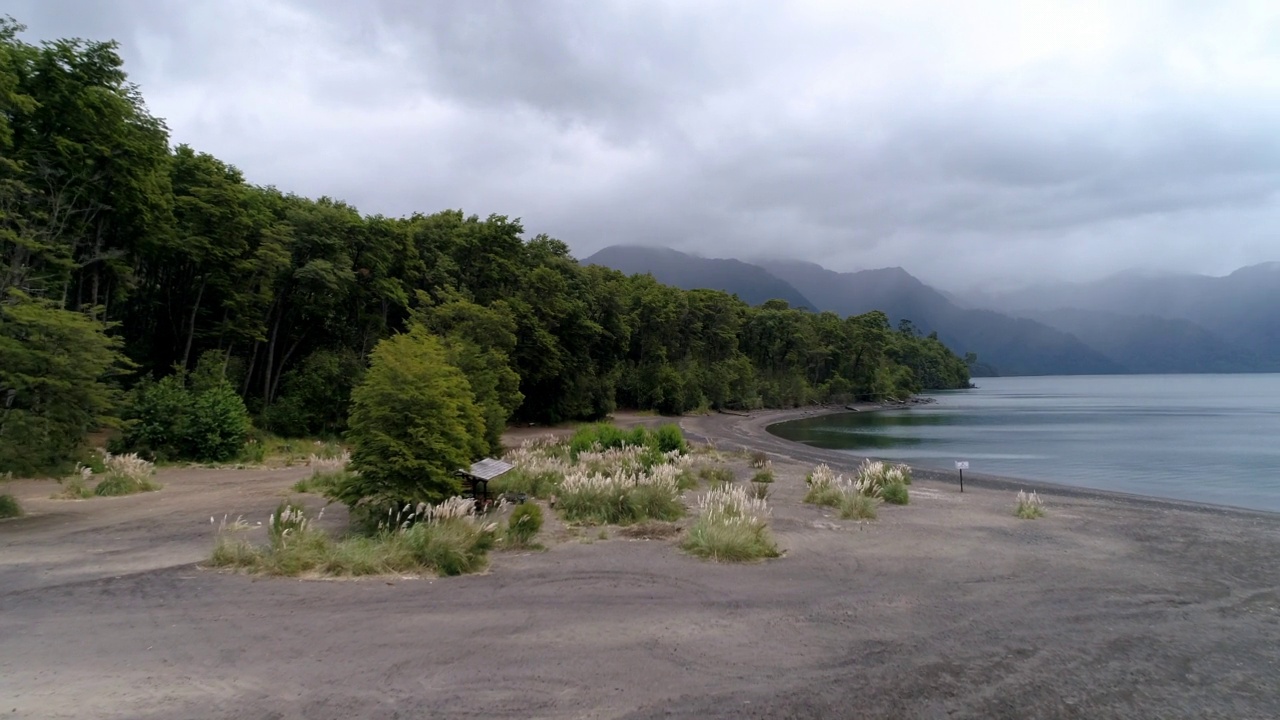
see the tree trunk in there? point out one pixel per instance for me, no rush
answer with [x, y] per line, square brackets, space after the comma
[191, 325]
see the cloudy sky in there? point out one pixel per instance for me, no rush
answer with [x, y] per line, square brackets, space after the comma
[964, 141]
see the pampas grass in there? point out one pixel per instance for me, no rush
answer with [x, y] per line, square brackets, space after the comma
[126, 475]
[445, 539]
[731, 527]
[856, 498]
[1028, 506]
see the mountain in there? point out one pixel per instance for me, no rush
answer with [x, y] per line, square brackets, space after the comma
[1151, 344]
[1009, 345]
[1013, 346]
[1234, 318]
[753, 284]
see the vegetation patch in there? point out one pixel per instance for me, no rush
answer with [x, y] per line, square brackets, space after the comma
[650, 530]
[731, 527]
[763, 476]
[1028, 506]
[855, 498]
[9, 507]
[622, 498]
[522, 525]
[716, 474]
[327, 474]
[444, 539]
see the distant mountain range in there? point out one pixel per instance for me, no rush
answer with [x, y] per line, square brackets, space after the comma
[1126, 324]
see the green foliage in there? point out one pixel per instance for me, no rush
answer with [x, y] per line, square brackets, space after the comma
[54, 366]
[895, 493]
[171, 421]
[759, 490]
[523, 524]
[539, 484]
[604, 436]
[763, 476]
[9, 507]
[73, 489]
[414, 423]
[115, 485]
[315, 397]
[668, 438]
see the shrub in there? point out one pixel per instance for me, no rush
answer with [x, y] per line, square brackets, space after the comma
[9, 507]
[759, 459]
[523, 524]
[414, 423]
[895, 493]
[315, 396]
[126, 475]
[825, 487]
[668, 438]
[731, 527]
[169, 421]
[1028, 506]
[763, 476]
[760, 491]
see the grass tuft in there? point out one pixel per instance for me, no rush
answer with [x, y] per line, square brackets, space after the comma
[1029, 506]
[763, 476]
[858, 507]
[126, 475]
[731, 527]
[9, 507]
[523, 524]
[446, 539]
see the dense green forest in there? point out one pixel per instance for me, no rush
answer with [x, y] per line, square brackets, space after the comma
[124, 260]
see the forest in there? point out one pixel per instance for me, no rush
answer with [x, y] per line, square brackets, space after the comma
[137, 274]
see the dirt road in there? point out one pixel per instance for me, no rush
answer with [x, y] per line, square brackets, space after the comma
[949, 607]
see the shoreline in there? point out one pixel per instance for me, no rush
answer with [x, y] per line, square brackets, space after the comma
[762, 420]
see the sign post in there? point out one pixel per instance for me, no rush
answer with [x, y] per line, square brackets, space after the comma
[962, 465]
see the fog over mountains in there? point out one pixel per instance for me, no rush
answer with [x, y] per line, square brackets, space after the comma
[1127, 323]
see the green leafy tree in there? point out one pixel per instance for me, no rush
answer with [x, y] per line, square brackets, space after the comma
[414, 422]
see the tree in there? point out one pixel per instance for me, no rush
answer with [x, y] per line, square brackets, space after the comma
[414, 423]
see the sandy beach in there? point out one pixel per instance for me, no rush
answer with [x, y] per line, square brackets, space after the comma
[1109, 607]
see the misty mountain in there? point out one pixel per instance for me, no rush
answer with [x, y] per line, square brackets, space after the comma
[1013, 346]
[1010, 345]
[1236, 313]
[751, 283]
[1150, 344]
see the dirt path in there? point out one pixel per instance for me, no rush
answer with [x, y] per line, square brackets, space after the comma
[949, 607]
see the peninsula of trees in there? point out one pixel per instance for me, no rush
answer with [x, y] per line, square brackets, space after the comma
[123, 258]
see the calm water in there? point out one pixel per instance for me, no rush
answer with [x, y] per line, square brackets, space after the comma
[1209, 438]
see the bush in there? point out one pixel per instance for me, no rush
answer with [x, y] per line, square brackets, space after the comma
[759, 459]
[731, 527]
[763, 476]
[523, 524]
[825, 487]
[414, 423]
[315, 397]
[1028, 506]
[895, 493]
[603, 436]
[168, 420]
[9, 507]
[74, 489]
[760, 491]
[668, 438]
[855, 498]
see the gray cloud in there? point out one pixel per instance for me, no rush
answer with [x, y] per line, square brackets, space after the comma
[1053, 138]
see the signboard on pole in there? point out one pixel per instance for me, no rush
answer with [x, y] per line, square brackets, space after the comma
[962, 464]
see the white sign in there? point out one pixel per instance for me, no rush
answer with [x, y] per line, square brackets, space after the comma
[962, 464]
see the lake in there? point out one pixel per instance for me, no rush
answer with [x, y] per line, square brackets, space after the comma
[1207, 438]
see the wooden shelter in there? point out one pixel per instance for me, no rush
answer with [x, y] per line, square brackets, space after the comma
[477, 478]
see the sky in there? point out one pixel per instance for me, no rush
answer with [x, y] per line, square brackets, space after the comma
[969, 142]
